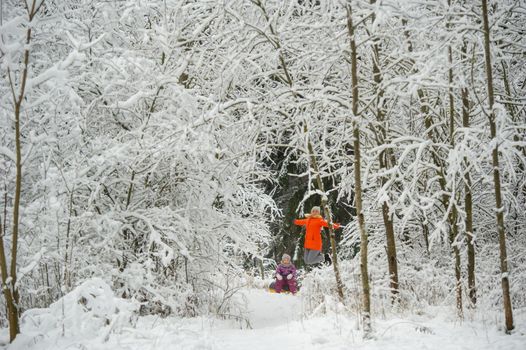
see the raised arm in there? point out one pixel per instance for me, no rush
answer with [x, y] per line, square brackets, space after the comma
[300, 222]
[334, 225]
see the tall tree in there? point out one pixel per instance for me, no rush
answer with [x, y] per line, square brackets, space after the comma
[385, 160]
[468, 195]
[364, 239]
[453, 237]
[9, 279]
[499, 206]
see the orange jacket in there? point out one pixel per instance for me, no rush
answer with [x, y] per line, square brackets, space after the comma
[313, 234]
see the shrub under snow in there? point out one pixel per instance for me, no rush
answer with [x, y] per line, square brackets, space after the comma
[89, 312]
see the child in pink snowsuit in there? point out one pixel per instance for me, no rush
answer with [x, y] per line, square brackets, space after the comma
[286, 275]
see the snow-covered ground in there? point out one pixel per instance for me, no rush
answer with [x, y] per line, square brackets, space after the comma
[275, 321]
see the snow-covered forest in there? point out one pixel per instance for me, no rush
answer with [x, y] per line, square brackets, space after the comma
[154, 154]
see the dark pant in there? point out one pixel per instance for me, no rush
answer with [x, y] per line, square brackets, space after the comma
[281, 283]
[313, 257]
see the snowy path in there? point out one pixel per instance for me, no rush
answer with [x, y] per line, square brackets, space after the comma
[277, 324]
[271, 310]
[275, 321]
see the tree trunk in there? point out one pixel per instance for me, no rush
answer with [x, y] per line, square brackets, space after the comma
[358, 181]
[454, 214]
[9, 282]
[472, 290]
[458, 268]
[383, 160]
[508, 313]
[68, 245]
[12, 313]
[468, 198]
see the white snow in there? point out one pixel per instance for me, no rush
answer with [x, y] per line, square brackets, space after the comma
[270, 310]
[273, 321]
[7, 153]
[33, 262]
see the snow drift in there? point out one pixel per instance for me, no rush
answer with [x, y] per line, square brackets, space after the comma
[89, 312]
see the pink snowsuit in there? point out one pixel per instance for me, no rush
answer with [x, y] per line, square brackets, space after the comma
[284, 271]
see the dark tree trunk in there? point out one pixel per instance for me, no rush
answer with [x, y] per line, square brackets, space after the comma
[454, 214]
[468, 198]
[358, 181]
[9, 282]
[508, 312]
[384, 159]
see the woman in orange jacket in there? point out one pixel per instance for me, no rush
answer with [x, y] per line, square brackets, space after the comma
[314, 223]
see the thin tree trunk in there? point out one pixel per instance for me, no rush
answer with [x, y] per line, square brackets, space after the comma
[9, 283]
[458, 267]
[383, 160]
[425, 230]
[67, 256]
[454, 214]
[472, 290]
[391, 252]
[48, 285]
[358, 181]
[508, 312]
[468, 198]
[130, 188]
[12, 314]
